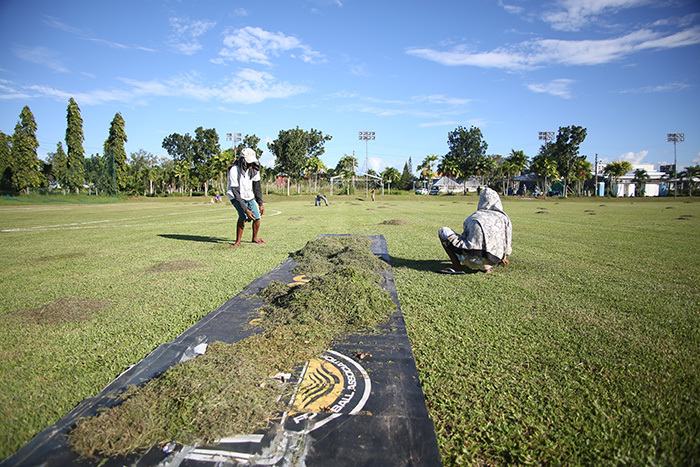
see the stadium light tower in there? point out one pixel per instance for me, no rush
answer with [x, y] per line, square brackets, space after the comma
[367, 136]
[234, 138]
[546, 136]
[676, 138]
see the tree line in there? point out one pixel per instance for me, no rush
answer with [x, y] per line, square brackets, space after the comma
[197, 163]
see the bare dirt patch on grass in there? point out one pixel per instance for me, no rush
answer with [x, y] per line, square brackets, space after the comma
[63, 310]
[176, 265]
[394, 222]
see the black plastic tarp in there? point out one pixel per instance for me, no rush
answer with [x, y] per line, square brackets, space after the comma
[360, 403]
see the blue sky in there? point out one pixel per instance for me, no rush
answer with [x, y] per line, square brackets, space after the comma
[627, 70]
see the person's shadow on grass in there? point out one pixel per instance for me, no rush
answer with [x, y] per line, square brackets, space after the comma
[428, 265]
[194, 238]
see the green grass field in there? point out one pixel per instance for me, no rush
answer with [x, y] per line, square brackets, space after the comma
[584, 350]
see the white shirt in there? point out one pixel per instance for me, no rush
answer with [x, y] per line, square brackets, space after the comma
[246, 183]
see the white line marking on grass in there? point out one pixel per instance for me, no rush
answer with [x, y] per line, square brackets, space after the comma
[93, 224]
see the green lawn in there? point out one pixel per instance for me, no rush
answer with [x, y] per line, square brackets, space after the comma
[584, 350]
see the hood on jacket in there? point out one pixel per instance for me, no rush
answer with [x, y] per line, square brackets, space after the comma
[490, 201]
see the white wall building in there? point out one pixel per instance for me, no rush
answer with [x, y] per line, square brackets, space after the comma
[657, 185]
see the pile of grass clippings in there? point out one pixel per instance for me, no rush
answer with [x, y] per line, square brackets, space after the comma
[229, 390]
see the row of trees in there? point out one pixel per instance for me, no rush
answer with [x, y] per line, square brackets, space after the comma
[197, 162]
[21, 169]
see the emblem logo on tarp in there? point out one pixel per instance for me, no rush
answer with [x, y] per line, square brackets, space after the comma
[330, 386]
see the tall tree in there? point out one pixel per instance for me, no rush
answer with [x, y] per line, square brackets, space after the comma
[5, 165]
[294, 147]
[75, 175]
[114, 151]
[565, 152]
[195, 155]
[406, 176]
[468, 149]
[59, 163]
[205, 148]
[26, 167]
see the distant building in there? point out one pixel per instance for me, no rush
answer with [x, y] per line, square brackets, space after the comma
[446, 185]
[657, 185]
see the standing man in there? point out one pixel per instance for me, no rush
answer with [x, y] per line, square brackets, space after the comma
[245, 193]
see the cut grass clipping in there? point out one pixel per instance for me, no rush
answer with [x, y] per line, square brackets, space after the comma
[230, 390]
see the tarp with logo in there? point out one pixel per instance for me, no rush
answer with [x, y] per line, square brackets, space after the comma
[360, 403]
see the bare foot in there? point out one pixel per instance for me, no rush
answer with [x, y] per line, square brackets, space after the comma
[489, 271]
[236, 244]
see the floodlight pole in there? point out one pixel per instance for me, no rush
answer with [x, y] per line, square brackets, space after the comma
[676, 138]
[366, 136]
[547, 136]
[234, 138]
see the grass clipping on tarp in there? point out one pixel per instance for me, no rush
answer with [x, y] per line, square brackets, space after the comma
[229, 390]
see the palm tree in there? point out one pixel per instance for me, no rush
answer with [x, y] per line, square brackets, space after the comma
[582, 171]
[391, 175]
[545, 168]
[508, 169]
[641, 177]
[616, 169]
[690, 173]
[426, 168]
[314, 166]
[450, 167]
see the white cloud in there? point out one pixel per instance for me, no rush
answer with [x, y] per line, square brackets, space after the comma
[635, 158]
[41, 56]
[245, 87]
[186, 34]
[557, 87]
[441, 123]
[669, 87]
[551, 52]
[87, 35]
[512, 9]
[572, 15]
[251, 44]
[443, 100]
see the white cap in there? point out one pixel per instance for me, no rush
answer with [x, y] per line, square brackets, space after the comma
[249, 156]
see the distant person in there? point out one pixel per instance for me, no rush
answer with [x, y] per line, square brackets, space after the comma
[217, 198]
[245, 193]
[372, 194]
[321, 197]
[486, 240]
